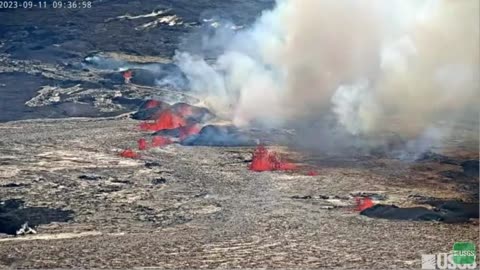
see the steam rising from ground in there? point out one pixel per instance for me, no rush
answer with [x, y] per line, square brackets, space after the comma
[377, 66]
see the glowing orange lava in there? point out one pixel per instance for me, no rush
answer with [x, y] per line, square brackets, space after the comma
[129, 153]
[166, 120]
[263, 160]
[142, 144]
[363, 203]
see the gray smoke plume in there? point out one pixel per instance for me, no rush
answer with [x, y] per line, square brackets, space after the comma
[379, 66]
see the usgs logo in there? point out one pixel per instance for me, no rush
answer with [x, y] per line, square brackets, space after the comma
[463, 256]
[444, 261]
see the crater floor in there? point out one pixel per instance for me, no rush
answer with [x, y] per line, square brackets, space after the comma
[179, 206]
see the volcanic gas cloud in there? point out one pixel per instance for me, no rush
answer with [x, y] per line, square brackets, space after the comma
[375, 66]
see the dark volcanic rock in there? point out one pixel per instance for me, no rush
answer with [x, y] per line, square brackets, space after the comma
[298, 197]
[149, 74]
[75, 109]
[434, 157]
[10, 204]
[192, 113]
[91, 177]
[453, 174]
[470, 168]
[13, 185]
[152, 164]
[371, 195]
[394, 212]
[15, 90]
[468, 210]
[162, 75]
[159, 181]
[144, 77]
[219, 136]
[153, 103]
[150, 110]
[128, 102]
[147, 114]
[446, 211]
[46, 32]
[173, 132]
[13, 214]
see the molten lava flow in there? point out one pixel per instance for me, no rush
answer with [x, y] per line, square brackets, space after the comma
[312, 173]
[188, 130]
[166, 120]
[160, 141]
[129, 153]
[142, 144]
[363, 203]
[127, 75]
[260, 160]
[263, 160]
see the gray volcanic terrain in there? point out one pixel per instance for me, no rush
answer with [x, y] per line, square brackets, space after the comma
[65, 118]
[183, 206]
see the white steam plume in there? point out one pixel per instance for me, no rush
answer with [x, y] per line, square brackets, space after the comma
[378, 65]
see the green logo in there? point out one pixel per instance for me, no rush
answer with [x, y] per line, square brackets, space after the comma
[464, 253]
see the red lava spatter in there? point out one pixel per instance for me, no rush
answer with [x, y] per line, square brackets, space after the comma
[363, 203]
[142, 144]
[264, 160]
[166, 120]
[129, 153]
